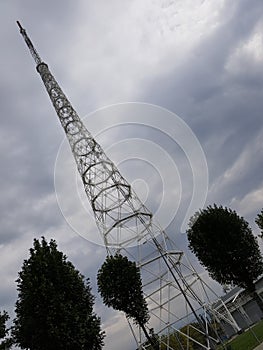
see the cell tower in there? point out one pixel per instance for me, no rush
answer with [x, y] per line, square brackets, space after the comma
[175, 293]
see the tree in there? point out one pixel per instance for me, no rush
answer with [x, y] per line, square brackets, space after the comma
[54, 309]
[224, 243]
[259, 222]
[120, 286]
[6, 342]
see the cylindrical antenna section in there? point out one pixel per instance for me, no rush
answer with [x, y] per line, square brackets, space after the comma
[30, 45]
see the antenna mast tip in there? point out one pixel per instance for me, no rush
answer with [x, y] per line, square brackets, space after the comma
[19, 25]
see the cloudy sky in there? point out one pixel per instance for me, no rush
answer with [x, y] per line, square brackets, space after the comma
[171, 89]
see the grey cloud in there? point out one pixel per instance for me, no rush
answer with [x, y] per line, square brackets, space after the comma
[224, 111]
[222, 105]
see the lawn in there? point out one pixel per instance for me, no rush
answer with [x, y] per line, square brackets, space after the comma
[247, 340]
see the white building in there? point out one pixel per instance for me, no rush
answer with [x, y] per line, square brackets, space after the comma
[242, 307]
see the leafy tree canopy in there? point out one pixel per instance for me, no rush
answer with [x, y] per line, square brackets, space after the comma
[120, 286]
[224, 243]
[3, 318]
[6, 342]
[54, 309]
[259, 222]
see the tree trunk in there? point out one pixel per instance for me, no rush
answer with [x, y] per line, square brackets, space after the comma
[150, 340]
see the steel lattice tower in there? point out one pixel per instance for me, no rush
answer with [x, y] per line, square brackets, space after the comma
[175, 293]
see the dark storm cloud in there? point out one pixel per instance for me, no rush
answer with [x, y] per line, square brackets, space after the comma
[223, 108]
[201, 80]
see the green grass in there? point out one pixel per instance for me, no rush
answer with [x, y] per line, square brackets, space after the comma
[247, 340]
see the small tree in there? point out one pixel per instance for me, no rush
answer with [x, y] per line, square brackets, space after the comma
[120, 286]
[259, 222]
[54, 309]
[224, 243]
[6, 342]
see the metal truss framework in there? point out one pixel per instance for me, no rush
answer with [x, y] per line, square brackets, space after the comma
[175, 293]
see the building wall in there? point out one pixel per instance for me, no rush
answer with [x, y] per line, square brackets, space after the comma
[253, 311]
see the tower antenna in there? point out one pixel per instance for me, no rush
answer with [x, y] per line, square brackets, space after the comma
[30, 45]
[175, 293]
